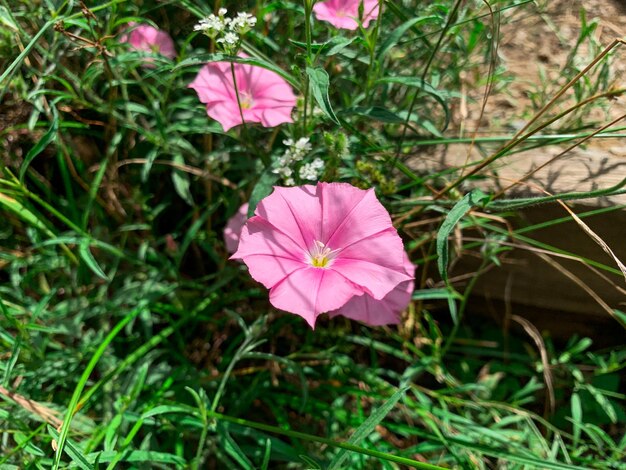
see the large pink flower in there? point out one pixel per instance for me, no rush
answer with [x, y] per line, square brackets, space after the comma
[381, 312]
[232, 231]
[316, 247]
[344, 14]
[264, 95]
[150, 39]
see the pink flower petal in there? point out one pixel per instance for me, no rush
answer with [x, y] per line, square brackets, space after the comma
[148, 38]
[224, 113]
[344, 14]
[350, 214]
[295, 211]
[260, 237]
[270, 270]
[324, 291]
[380, 312]
[265, 97]
[213, 84]
[374, 263]
[285, 246]
[269, 254]
[232, 231]
[274, 117]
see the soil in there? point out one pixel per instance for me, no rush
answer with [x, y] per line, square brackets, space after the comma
[535, 42]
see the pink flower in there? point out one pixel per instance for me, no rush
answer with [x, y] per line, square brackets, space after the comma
[316, 247]
[264, 95]
[381, 312]
[233, 228]
[150, 39]
[344, 14]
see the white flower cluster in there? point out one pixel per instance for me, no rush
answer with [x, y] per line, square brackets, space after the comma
[296, 151]
[312, 171]
[230, 29]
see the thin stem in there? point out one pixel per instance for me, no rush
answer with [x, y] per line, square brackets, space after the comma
[425, 72]
[517, 139]
[372, 40]
[243, 121]
[466, 294]
[556, 157]
[308, 6]
[309, 437]
[225, 377]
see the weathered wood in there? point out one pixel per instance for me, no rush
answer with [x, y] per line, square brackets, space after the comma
[535, 43]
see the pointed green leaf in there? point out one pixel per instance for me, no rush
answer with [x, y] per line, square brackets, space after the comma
[263, 188]
[367, 427]
[39, 147]
[320, 83]
[90, 261]
[470, 200]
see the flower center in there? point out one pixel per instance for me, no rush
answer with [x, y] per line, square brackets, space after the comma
[320, 256]
[246, 100]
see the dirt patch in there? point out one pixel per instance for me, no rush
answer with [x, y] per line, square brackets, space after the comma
[542, 47]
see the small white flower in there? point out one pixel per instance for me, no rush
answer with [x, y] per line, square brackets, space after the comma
[222, 11]
[295, 152]
[303, 144]
[311, 171]
[229, 38]
[242, 23]
[211, 26]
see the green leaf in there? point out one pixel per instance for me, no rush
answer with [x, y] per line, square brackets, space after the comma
[24, 442]
[603, 402]
[181, 182]
[138, 456]
[399, 32]
[263, 188]
[470, 200]
[374, 112]
[232, 448]
[24, 213]
[436, 294]
[151, 156]
[165, 409]
[90, 261]
[320, 83]
[266, 456]
[47, 138]
[367, 427]
[328, 48]
[70, 449]
[440, 96]
[338, 44]
[7, 19]
[82, 382]
[577, 416]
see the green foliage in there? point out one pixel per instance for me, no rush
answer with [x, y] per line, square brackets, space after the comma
[127, 338]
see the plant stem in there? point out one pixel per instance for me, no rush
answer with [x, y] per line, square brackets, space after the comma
[307, 34]
[323, 440]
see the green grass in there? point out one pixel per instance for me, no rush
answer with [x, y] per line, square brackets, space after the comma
[127, 338]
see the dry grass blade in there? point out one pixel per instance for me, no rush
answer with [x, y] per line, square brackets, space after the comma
[595, 238]
[582, 285]
[186, 168]
[533, 332]
[45, 413]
